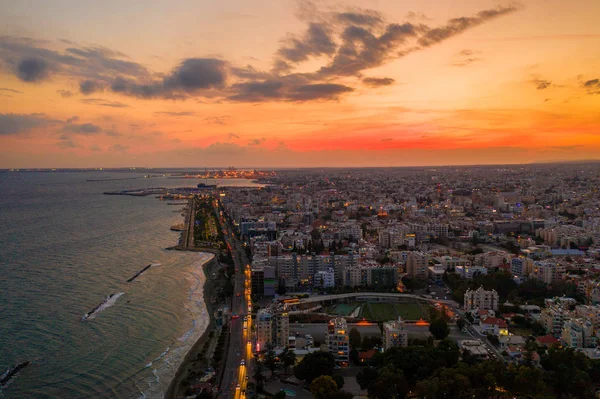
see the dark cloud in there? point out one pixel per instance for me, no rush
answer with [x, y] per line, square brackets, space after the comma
[82, 128]
[64, 93]
[22, 123]
[90, 86]
[190, 77]
[378, 82]
[316, 41]
[33, 69]
[319, 91]
[95, 147]
[541, 84]
[11, 90]
[31, 61]
[456, 26]
[73, 119]
[387, 139]
[362, 17]
[417, 16]
[257, 91]
[113, 133]
[233, 136]
[362, 48]
[592, 86]
[103, 103]
[175, 114]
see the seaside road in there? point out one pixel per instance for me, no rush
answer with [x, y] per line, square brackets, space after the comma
[234, 374]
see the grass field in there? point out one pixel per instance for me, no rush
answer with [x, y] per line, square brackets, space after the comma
[389, 311]
[343, 309]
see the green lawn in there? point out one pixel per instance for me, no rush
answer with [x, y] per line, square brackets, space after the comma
[344, 309]
[412, 311]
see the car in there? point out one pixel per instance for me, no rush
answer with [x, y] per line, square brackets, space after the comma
[238, 387]
[243, 362]
[337, 367]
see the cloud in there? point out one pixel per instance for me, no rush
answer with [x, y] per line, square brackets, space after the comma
[90, 86]
[316, 41]
[346, 43]
[175, 114]
[20, 123]
[417, 16]
[465, 57]
[320, 91]
[119, 148]
[592, 86]
[191, 76]
[378, 82]
[233, 136]
[10, 90]
[103, 103]
[256, 142]
[218, 120]
[95, 147]
[64, 93]
[387, 139]
[456, 26]
[541, 84]
[82, 128]
[32, 69]
[66, 144]
[73, 119]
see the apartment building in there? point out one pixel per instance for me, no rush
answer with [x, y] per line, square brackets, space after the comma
[337, 340]
[416, 265]
[481, 299]
[394, 334]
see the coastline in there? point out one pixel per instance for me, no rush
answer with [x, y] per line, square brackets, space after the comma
[189, 363]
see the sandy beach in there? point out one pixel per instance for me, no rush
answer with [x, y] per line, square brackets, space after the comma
[191, 364]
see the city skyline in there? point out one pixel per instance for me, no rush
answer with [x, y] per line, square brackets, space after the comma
[298, 83]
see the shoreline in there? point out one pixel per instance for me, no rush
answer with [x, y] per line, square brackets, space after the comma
[191, 357]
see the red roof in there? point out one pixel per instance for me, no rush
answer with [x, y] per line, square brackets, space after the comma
[366, 355]
[508, 315]
[495, 321]
[482, 312]
[547, 340]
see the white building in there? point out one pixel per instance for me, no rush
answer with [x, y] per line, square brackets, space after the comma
[325, 279]
[272, 327]
[467, 272]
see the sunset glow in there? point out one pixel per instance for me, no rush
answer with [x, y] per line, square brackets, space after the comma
[296, 83]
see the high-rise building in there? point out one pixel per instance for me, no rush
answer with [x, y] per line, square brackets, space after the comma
[272, 327]
[337, 340]
[481, 299]
[416, 265]
[394, 334]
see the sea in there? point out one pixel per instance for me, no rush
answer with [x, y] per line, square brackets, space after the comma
[64, 249]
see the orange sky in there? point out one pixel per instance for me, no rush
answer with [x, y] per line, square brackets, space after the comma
[273, 83]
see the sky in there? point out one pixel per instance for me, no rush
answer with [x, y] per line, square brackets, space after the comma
[286, 83]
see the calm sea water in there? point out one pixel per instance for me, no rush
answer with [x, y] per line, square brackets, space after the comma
[64, 247]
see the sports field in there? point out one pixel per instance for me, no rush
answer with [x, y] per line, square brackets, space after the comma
[391, 311]
[343, 309]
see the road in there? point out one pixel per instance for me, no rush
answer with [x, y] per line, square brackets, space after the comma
[233, 385]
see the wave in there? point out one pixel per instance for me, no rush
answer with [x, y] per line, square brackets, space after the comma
[158, 358]
[108, 302]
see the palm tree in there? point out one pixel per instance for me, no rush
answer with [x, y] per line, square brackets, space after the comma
[288, 357]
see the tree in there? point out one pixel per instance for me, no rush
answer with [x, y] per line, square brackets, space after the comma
[314, 365]
[354, 337]
[280, 395]
[339, 381]
[390, 383]
[270, 359]
[288, 357]
[366, 376]
[460, 323]
[259, 376]
[366, 344]
[204, 395]
[439, 328]
[323, 387]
